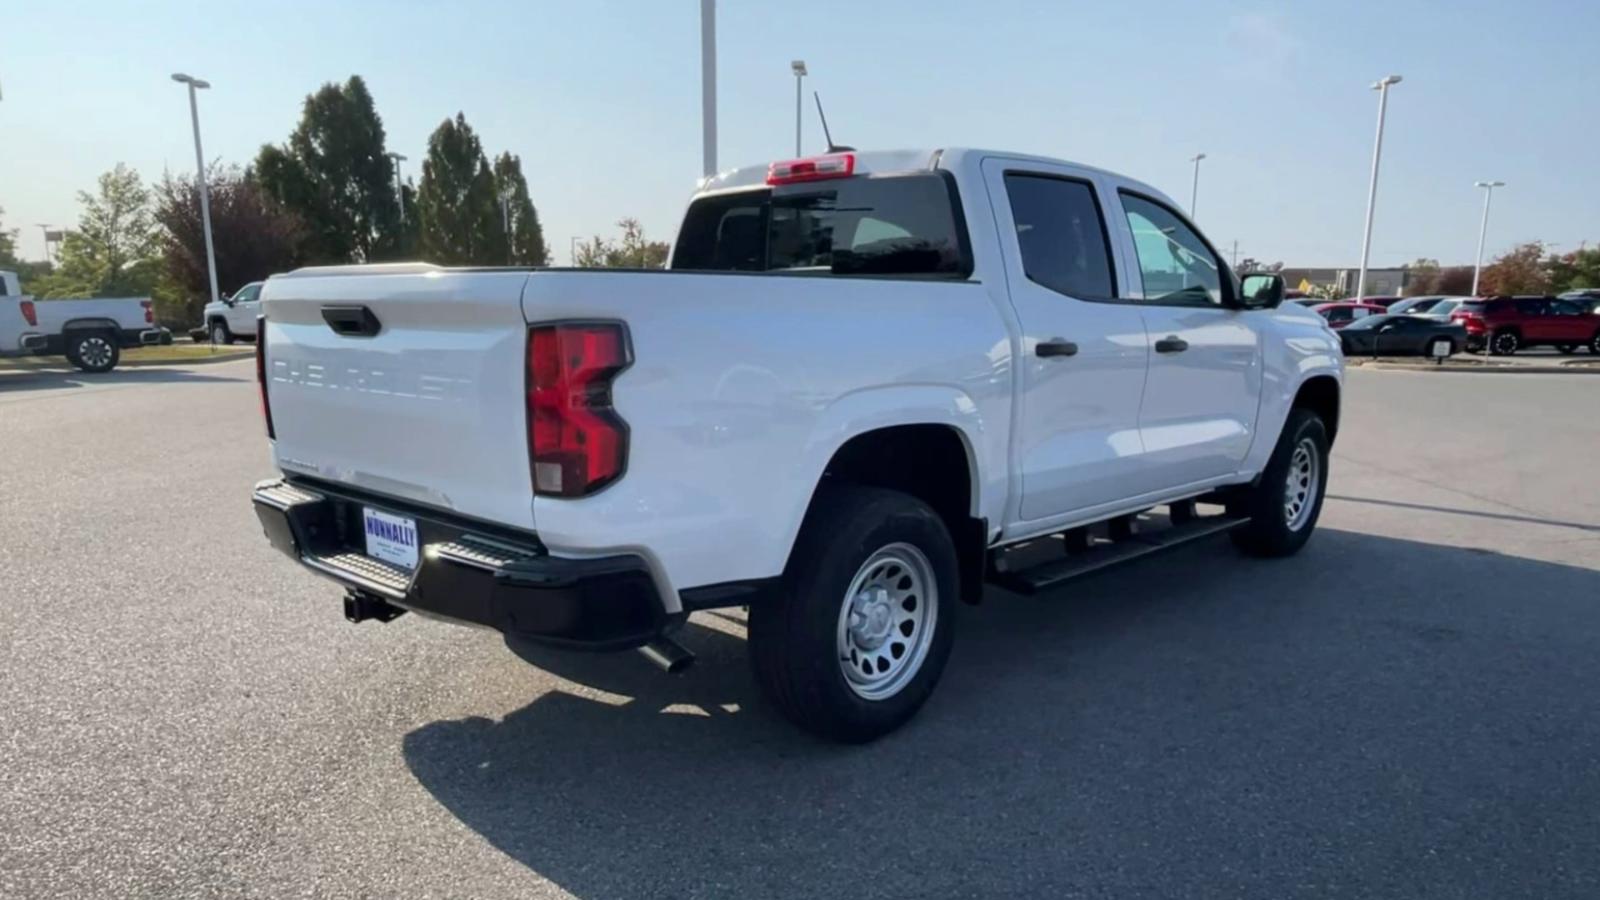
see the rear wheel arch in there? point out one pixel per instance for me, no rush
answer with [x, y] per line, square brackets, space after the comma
[934, 463]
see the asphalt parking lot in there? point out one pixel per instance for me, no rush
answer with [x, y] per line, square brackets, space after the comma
[1409, 708]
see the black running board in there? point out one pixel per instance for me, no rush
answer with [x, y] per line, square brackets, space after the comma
[1095, 554]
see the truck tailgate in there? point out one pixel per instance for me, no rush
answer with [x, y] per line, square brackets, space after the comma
[429, 408]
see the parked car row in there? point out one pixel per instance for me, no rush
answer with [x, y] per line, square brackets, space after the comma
[1393, 325]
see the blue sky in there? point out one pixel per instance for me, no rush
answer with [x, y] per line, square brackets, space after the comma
[601, 100]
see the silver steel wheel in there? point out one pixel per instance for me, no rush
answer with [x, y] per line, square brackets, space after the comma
[95, 351]
[886, 621]
[219, 333]
[1300, 492]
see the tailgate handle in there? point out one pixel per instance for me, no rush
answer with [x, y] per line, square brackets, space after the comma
[355, 321]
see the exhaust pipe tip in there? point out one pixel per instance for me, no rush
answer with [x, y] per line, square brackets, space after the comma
[671, 656]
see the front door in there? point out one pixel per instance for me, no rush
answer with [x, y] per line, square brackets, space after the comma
[246, 306]
[1201, 397]
[1083, 351]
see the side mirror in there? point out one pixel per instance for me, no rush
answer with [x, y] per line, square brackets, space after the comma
[1260, 290]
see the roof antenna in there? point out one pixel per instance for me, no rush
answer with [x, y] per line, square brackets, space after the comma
[832, 147]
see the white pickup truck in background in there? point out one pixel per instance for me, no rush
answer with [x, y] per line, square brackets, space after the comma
[234, 316]
[870, 385]
[89, 333]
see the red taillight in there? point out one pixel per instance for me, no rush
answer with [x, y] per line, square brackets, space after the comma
[261, 373]
[577, 444]
[815, 168]
[149, 315]
[29, 313]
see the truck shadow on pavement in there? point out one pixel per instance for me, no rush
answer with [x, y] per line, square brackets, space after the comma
[21, 379]
[1374, 715]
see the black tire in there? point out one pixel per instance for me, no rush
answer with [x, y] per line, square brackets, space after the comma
[94, 351]
[795, 636]
[1270, 531]
[220, 333]
[1594, 344]
[1505, 343]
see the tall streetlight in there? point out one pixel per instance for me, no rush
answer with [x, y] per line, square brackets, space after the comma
[799, 68]
[399, 186]
[1194, 189]
[505, 219]
[196, 84]
[708, 87]
[1483, 228]
[1382, 87]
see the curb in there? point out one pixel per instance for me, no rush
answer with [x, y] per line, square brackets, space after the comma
[1484, 370]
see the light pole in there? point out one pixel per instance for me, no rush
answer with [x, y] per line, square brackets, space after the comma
[1483, 228]
[1194, 188]
[505, 219]
[399, 186]
[799, 68]
[1382, 87]
[200, 172]
[708, 87]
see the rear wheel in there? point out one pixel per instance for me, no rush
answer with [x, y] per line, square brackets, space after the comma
[93, 351]
[1283, 505]
[855, 641]
[1506, 343]
[1594, 344]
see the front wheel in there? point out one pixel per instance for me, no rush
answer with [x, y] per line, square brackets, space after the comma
[1283, 505]
[855, 641]
[94, 351]
[220, 333]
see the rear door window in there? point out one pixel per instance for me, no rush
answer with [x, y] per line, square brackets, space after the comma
[1061, 235]
[898, 225]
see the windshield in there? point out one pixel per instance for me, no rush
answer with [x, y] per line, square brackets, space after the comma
[895, 225]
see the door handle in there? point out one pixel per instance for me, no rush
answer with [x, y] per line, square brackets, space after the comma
[1055, 347]
[1171, 344]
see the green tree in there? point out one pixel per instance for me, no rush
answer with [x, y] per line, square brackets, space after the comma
[527, 246]
[253, 234]
[112, 251]
[1422, 277]
[457, 207]
[1578, 269]
[8, 243]
[632, 251]
[1521, 270]
[335, 175]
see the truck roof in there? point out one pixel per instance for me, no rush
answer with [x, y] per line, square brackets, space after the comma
[885, 161]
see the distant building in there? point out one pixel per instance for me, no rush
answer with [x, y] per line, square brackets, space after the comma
[1380, 282]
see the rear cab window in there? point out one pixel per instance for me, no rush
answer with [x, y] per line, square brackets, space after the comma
[906, 225]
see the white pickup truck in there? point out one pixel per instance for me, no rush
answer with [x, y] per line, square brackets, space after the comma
[870, 384]
[89, 333]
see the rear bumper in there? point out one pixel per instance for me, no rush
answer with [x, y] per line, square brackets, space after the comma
[35, 343]
[152, 336]
[505, 581]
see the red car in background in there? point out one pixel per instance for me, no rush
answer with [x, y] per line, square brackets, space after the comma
[1384, 302]
[1344, 312]
[1512, 323]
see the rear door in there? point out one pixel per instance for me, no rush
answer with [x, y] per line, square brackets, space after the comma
[1204, 388]
[1083, 354]
[407, 385]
